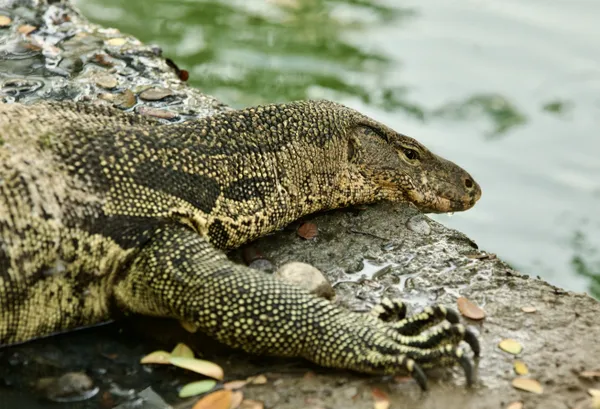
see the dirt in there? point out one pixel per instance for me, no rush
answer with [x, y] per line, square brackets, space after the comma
[383, 250]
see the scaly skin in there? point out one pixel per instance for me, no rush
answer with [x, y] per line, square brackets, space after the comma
[103, 211]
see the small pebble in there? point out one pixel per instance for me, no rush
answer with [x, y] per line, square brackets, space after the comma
[419, 225]
[156, 94]
[106, 81]
[156, 112]
[306, 276]
[70, 387]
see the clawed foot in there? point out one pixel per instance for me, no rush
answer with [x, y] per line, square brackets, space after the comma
[419, 350]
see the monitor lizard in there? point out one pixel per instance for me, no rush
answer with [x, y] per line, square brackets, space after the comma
[104, 212]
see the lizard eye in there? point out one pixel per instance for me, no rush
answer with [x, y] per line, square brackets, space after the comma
[410, 154]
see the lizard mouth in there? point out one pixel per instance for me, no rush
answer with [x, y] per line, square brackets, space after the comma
[442, 204]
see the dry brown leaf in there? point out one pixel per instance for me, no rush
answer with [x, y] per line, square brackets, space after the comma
[257, 380]
[515, 405]
[381, 399]
[156, 357]
[528, 384]
[182, 350]
[469, 309]
[520, 368]
[529, 309]
[220, 399]
[5, 21]
[236, 399]
[200, 366]
[26, 29]
[511, 346]
[232, 385]
[251, 404]
[308, 230]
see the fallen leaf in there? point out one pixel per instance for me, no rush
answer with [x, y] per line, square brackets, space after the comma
[251, 404]
[156, 357]
[529, 309]
[594, 392]
[469, 309]
[590, 374]
[511, 346]
[528, 384]
[232, 385]
[188, 326]
[382, 400]
[182, 350]
[197, 388]
[257, 380]
[515, 405]
[116, 42]
[200, 366]
[26, 29]
[220, 399]
[520, 368]
[308, 230]
[236, 400]
[5, 21]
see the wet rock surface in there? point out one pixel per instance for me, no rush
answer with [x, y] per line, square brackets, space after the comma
[49, 51]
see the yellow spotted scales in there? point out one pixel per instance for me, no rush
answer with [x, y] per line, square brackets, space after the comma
[103, 212]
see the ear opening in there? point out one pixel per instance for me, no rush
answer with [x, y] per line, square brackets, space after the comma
[353, 148]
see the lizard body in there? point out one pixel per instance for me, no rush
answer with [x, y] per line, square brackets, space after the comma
[104, 211]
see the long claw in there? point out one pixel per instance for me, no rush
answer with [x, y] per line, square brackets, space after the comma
[471, 339]
[416, 372]
[452, 316]
[467, 366]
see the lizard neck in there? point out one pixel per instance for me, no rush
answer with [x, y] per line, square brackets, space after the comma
[295, 180]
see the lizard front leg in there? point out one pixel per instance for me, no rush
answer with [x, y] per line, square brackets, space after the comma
[179, 274]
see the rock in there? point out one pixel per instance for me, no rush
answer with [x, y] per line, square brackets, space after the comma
[306, 276]
[70, 387]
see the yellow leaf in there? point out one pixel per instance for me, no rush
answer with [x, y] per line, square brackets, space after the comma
[511, 346]
[520, 368]
[156, 357]
[200, 366]
[182, 350]
[197, 388]
[232, 385]
[4, 21]
[220, 399]
[116, 41]
[257, 380]
[527, 384]
[594, 392]
[252, 404]
[236, 399]
[528, 309]
[515, 405]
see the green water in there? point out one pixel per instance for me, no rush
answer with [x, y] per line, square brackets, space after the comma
[510, 90]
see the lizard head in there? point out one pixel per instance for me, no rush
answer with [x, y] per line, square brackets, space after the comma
[402, 169]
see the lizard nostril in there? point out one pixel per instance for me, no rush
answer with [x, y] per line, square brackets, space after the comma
[469, 183]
